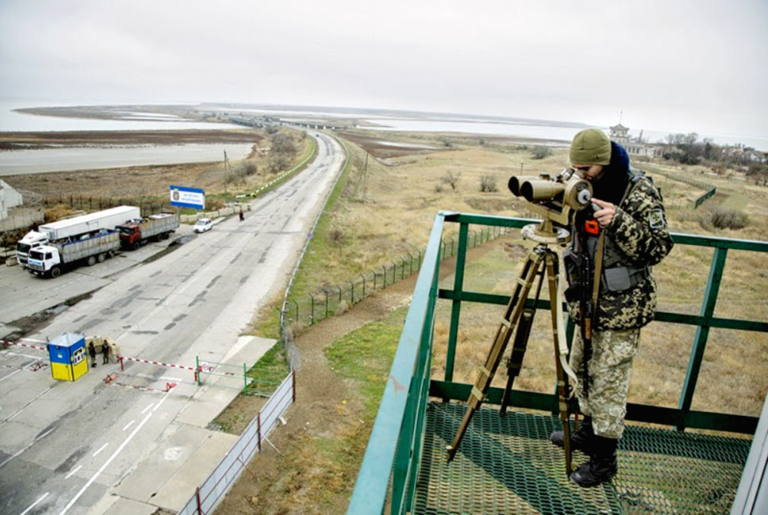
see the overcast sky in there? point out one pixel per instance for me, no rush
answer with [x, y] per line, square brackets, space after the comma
[678, 66]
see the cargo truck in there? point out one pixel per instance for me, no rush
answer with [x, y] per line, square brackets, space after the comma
[74, 228]
[53, 259]
[160, 227]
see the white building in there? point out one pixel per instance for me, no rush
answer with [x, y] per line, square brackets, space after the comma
[9, 198]
[620, 135]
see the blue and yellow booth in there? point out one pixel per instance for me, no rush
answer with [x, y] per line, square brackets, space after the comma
[68, 356]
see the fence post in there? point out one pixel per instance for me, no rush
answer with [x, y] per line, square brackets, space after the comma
[311, 309]
[419, 263]
[374, 281]
[197, 369]
[352, 290]
[339, 287]
[402, 269]
[384, 267]
[199, 506]
[326, 305]
[245, 381]
[297, 309]
[394, 272]
[453, 250]
[363, 276]
[258, 429]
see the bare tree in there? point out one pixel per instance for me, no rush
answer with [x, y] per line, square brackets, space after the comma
[451, 178]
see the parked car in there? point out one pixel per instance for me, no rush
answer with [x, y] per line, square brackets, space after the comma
[202, 225]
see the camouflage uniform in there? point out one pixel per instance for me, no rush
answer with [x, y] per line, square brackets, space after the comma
[637, 238]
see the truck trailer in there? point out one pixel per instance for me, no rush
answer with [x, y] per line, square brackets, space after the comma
[159, 227]
[53, 259]
[74, 228]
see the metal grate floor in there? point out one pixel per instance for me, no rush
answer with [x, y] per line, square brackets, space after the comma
[506, 465]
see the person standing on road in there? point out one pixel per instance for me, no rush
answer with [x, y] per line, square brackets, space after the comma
[92, 353]
[632, 221]
[242, 215]
[105, 352]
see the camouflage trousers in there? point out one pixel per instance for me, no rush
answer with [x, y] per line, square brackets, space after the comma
[609, 371]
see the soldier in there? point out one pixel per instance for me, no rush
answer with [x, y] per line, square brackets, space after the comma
[105, 352]
[92, 353]
[631, 214]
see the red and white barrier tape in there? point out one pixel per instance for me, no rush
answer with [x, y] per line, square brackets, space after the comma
[157, 363]
[8, 342]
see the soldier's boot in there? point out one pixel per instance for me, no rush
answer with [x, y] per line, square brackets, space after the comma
[601, 466]
[581, 440]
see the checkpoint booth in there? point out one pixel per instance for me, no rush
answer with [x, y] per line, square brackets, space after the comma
[68, 356]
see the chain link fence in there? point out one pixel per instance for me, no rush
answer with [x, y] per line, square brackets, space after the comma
[307, 310]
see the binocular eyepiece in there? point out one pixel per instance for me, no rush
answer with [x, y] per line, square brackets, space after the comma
[568, 189]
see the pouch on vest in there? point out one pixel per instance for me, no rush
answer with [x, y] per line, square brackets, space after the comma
[617, 279]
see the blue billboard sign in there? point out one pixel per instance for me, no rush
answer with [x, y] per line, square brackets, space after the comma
[187, 197]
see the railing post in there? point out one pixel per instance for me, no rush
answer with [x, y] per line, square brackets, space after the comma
[402, 268]
[394, 272]
[352, 290]
[702, 333]
[384, 267]
[363, 276]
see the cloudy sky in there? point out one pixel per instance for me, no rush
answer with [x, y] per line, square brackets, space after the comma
[676, 65]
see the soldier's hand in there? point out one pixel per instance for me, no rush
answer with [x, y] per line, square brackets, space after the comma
[606, 213]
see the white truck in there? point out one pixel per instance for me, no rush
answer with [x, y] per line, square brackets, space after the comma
[51, 260]
[74, 228]
[160, 227]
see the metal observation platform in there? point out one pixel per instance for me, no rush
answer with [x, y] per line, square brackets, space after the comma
[506, 464]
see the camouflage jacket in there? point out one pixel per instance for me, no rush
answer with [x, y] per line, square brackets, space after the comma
[639, 236]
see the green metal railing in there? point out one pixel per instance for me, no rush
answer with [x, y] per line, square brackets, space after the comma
[392, 461]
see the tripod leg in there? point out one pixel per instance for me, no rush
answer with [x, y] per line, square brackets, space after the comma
[503, 334]
[563, 389]
[515, 362]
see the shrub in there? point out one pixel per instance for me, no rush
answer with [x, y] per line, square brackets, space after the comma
[723, 218]
[488, 184]
[541, 151]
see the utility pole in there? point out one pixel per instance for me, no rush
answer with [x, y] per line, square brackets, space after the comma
[227, 172]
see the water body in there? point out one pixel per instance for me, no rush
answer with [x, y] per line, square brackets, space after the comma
[19, 162]
[13, 121]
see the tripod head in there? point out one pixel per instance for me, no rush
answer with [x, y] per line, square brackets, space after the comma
[555, 199]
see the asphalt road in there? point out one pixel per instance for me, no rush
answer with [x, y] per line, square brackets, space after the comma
[94, 447]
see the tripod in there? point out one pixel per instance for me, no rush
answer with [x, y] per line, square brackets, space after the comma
[541, 260]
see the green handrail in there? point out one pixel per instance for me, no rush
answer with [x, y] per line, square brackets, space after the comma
[394, 450]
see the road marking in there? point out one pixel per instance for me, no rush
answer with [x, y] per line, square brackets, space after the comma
[147, 408]
[106, 464]
[9, 375]
[129, 425]
[35, 503]
[100, 449]
[70, 474]
[25, 406]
